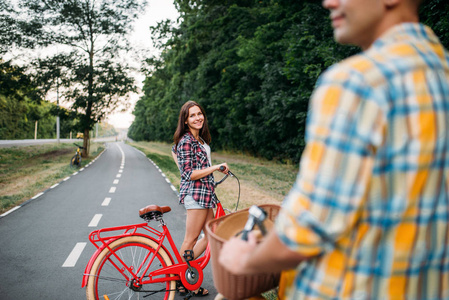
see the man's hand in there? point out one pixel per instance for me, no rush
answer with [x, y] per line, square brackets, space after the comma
[235, 254]
[269, 256]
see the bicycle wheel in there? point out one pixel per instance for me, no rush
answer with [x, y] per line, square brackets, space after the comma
[106, 282]
[75, 161]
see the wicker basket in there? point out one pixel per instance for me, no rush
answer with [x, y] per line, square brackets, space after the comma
[238, 286]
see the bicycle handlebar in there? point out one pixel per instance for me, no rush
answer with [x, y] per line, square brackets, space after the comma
[256, 216]
[222, 168]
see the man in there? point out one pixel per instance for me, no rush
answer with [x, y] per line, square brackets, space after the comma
[368, 215]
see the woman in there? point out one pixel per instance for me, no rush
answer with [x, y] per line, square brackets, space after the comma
[191, 153]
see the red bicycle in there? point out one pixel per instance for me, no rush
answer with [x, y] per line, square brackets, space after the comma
[132, 261]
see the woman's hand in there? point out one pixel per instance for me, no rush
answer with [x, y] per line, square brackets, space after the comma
[223, 168]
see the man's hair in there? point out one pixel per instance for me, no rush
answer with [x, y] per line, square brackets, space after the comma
[418, 2]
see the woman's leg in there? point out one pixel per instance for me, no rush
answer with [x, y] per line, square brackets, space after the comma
[195, 222]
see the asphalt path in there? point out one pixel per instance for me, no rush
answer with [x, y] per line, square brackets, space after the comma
[30, 142]
[44, 246]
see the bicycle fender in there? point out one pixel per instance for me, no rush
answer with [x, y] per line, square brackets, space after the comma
[91, 262]
[99, 250]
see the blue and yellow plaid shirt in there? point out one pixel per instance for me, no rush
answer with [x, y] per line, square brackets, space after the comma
[370, 206]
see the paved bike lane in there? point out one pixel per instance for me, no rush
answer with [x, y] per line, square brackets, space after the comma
[45, 245]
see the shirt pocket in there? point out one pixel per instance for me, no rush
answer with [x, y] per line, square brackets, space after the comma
[202, 159]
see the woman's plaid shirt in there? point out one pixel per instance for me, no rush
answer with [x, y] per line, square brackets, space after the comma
[191, 156]
[370, 205]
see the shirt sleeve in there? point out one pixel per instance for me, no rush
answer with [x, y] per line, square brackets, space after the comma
[185, 158]
[344, 127]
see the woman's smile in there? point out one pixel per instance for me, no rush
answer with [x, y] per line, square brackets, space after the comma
[195, 120]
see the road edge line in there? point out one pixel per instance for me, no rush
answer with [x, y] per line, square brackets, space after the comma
[26, 202]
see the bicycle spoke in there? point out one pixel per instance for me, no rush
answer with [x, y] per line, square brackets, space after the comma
[116, 281]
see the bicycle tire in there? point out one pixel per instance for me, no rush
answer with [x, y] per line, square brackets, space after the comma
[75, 161]
[105, 279]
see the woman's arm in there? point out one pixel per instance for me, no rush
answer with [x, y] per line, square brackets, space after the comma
[185, 156]
[198, 174]
[175, 158]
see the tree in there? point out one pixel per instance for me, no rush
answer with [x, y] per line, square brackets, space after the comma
[252, 65]
[21, 105]
[91, 40]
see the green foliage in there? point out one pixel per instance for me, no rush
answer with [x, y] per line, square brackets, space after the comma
[88, 71]
[252, 65]
[21, 105]
[105, 129]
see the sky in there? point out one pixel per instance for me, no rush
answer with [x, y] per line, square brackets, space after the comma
[157, 10]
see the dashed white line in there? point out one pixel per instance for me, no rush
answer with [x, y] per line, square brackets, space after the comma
[74, 255]
[54, 185]
[112, 189]
[120, 171]
[95, 220]
[118, 175]
[67, 178]
[115, 181]
[106, 201]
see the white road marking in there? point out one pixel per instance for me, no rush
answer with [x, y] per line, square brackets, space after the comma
[67, 178]
[10, 211]
[106, 201]
[112, 189]
[115, 181]
[74, 255]
[95, 220]
[54, 185]
[118, 175]
[37, 196]
[75, 173]
[120, 171]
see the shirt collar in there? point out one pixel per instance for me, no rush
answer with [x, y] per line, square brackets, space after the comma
[406, 32]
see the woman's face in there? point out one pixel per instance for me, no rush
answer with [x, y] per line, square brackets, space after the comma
[195, 119]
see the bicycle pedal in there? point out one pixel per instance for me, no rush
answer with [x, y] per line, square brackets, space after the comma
[188, 255]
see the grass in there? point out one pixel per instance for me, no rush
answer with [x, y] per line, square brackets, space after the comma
[261, 181]
[27, 171]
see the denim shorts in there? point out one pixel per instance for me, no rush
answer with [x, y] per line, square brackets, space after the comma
[190, 203]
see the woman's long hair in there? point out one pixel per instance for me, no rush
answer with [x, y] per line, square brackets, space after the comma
[182, 127]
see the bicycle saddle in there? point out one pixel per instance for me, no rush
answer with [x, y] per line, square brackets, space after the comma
[151, 212]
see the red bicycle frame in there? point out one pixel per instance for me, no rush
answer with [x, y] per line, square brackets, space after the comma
[103, 238]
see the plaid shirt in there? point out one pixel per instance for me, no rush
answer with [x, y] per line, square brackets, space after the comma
[370, 205]
[191, 156]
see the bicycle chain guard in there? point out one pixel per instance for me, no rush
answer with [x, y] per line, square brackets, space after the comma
[192, 277]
